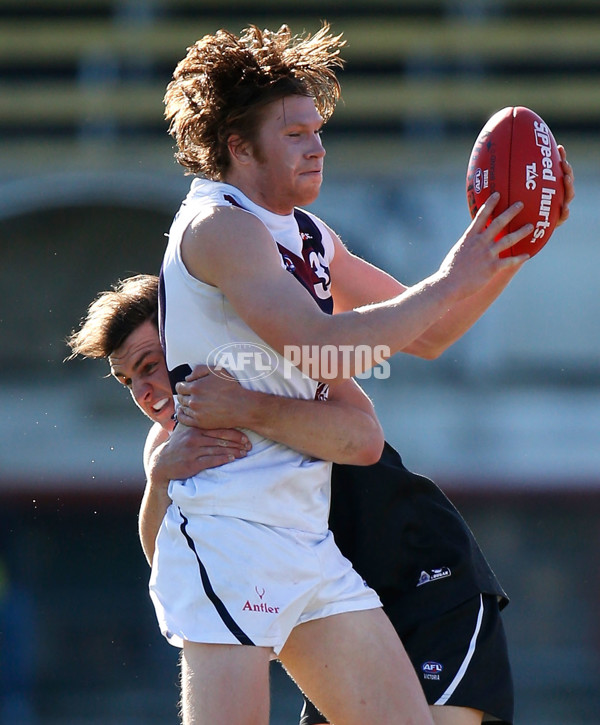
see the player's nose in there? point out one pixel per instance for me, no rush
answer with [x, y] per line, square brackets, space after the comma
[141, 391]
[317, 149]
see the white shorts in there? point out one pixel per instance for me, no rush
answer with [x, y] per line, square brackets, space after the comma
[222, 580]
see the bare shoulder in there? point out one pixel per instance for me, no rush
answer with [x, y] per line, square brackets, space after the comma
[223, 223]
[215, 243]
[157, 435]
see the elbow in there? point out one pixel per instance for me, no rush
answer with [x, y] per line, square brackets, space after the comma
[370, 457]
[370, 449]
[431, 353]
[426, 350]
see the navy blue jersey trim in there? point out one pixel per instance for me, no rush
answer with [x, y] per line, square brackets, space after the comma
[311, 235]
[300, 267]
[228, 620]
[181, 371]
[178, 375]
[162, 300]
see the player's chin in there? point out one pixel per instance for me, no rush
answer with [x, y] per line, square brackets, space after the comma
[163, 417]
[309, 187]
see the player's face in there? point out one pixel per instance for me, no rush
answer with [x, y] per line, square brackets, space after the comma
[289, 155]
[139, 364]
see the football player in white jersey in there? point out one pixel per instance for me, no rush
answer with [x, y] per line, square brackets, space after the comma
[246, 113]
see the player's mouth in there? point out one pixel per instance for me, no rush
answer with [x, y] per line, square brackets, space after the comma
[157, 407]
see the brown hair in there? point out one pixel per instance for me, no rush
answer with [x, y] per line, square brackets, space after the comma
[114, 315]
[224, 81]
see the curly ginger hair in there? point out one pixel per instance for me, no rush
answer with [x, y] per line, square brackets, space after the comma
[224, 82]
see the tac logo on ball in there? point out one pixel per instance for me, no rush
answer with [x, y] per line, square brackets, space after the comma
[516, 155]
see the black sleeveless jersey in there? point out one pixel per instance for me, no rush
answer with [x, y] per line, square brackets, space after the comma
[408, 541]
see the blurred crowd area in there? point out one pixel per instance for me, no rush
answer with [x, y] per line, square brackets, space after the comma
[507, 421]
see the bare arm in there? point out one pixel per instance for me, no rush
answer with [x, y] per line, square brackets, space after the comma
[215, 250]
[155, 500]
[343, 429]
[357, 283]
[186, 452]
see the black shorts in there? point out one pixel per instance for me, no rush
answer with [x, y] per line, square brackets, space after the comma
[461, 659]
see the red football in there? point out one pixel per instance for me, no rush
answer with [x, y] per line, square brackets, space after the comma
[516, 155]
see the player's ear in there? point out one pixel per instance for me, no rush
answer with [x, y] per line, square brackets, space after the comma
[240, 149]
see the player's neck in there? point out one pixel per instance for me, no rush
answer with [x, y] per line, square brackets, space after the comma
[263, 198]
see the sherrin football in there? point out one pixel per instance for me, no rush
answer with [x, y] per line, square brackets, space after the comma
[516, 155]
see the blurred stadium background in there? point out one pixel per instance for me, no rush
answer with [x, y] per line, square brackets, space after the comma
[508, 421]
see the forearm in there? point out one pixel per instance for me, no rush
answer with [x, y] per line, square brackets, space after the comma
[328, 430]
[343, 429]
[360, 283]
[155, 500]
[459, 319]
[383, 327]
[155, 503]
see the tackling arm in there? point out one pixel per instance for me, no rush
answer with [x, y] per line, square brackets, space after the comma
[343, 429]
[183, 454]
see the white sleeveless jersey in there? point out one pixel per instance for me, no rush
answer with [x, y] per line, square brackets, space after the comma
[273, 484]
